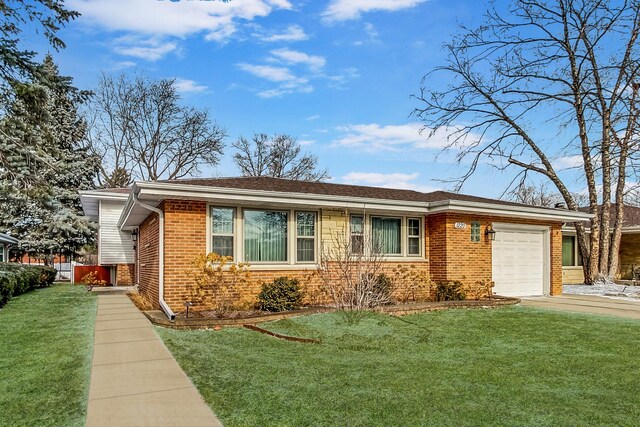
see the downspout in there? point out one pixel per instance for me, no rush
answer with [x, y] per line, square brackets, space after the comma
[163, 304]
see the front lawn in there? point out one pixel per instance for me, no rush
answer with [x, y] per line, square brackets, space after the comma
[509, 366]
[46, 343]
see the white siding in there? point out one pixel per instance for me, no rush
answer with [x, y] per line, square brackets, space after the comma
[115, 246]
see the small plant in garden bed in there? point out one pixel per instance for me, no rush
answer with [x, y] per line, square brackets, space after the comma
[283, 294]
[216, 279]
[140, 301]
[450, 291]
[91, 280]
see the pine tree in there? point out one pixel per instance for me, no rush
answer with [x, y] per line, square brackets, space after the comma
[48, 136]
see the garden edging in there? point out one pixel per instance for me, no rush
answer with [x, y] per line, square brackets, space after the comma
[157, 317]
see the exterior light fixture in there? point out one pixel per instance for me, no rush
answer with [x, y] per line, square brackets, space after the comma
[490, 233]
[134, 235]
[188, 304]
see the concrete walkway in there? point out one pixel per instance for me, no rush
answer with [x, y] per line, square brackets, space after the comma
[135, 381]
[587, 304]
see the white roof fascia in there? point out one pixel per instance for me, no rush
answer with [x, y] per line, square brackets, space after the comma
[496, 209]
[182, 190]
[241, 195]
[90, 200]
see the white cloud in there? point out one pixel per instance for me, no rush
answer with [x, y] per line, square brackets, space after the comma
[122, 65]
[274, 74]
[387, 180]
[289, 56]
[347, 74]
[174, 18]
[150, 49]
[188, 86]
[568, 162]
[344, 10]
[372, 35]
[374, 137]
[293, 33]
[304, 142]
[313, 117]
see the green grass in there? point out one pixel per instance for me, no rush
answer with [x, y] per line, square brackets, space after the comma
[46, 342]
[510, 366]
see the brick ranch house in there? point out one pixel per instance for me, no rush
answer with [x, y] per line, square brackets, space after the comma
[151, 233]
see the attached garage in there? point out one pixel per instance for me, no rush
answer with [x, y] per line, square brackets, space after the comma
[520, 260]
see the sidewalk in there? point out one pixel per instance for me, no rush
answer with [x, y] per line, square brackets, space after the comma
[135, 381]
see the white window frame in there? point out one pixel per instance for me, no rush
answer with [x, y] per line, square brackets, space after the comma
[288, 259]
[404, 242]
[211, 233]
[419, 237]
[403, 232]
[314, 237]
[2, 252]
[238, 242]
[576, 251]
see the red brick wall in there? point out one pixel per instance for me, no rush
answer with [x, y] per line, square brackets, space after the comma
[125, 274]
[451, 254]
[455, 257]
[148, 258]
[185, 238]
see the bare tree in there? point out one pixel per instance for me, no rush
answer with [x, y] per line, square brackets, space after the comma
[279, 157]
[568, 66]
[541, 195]
[142, 131]
[350, 273]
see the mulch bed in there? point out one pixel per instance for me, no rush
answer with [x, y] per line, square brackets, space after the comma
[205, 321]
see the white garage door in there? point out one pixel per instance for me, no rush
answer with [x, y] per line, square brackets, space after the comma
[519, 262]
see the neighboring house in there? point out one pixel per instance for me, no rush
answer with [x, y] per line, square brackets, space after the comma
[6, 241]
[629, 254]
[280, 227]
[116, 249]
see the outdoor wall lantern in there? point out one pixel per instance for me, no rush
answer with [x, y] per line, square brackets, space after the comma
[134, 235]
[490, 232]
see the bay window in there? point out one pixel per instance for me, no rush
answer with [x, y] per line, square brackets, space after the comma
[265, 236]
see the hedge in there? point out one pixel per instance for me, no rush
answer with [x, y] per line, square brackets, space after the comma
[16, 279]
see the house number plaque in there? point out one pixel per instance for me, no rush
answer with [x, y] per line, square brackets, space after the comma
[460, 225]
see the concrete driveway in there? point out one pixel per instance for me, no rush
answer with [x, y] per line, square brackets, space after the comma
[587, 304]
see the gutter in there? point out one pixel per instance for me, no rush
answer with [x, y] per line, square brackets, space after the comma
[163, 304]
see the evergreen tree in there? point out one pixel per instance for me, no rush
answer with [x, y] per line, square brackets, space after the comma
[48, 137]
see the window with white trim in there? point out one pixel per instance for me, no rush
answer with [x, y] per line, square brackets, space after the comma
[475, 231]
[571, 256]
[356, 230]
[222, 220]
[305, 236]
[265, 236]
[2, 252]
[386, 235]
[413, 236]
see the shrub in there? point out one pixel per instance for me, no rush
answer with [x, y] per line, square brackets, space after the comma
[450, 291]
[216, 280]
[91, 279]
[382, 287]
[282, 294]
[16, 279]
[141, 301]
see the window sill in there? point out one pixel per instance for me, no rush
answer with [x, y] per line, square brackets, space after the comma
[265, 267]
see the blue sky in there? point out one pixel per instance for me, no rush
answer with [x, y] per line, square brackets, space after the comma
[336, 74]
